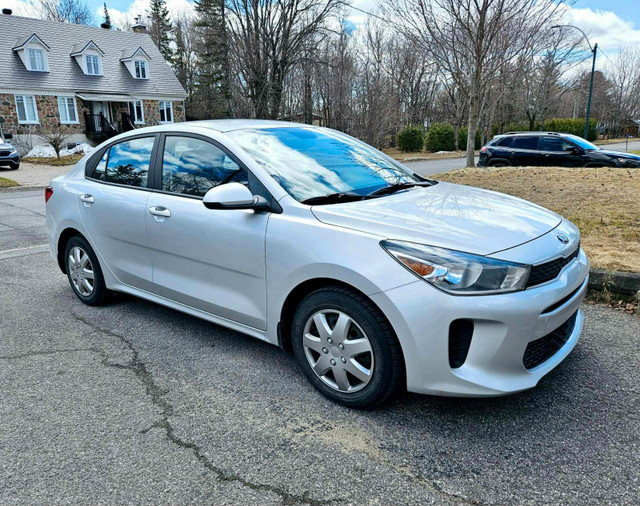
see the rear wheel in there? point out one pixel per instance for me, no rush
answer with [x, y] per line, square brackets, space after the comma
[84, 273]
[499, 163]
[346, 348]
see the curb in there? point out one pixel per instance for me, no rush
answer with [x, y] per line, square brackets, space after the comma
[20, 188]
[623, 283]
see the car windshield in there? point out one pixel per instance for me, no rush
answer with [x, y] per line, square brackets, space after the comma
[312, 162]
[582, 143]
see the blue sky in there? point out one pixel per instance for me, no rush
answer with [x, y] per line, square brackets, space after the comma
[629, 10]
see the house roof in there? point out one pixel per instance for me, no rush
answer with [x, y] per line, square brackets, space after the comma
[65, 74]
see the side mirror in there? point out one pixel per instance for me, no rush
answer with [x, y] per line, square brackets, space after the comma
[576, 150]
[7, 136]
[234, 196]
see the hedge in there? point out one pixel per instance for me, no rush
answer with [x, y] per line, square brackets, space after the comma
[440, 137]
[560, 125]
[410, 139]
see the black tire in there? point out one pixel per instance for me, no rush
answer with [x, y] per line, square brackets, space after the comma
[100, 292]
[500, 163]
[388, 374]
[15, 166]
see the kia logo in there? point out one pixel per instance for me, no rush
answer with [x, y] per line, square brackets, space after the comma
[562, 238]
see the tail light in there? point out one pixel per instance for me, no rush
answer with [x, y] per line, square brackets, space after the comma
[484, 149]
[48, 191]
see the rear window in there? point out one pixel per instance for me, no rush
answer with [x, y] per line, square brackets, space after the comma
[525, 143]
[504, 142]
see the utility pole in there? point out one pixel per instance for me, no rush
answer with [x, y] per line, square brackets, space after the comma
[594, 50]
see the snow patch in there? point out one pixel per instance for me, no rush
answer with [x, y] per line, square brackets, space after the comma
[46, 151]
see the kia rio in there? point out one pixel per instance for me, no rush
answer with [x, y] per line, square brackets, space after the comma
[376, 278]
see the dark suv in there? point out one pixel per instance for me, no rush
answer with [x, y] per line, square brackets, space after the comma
[9, 157]
[550, 149]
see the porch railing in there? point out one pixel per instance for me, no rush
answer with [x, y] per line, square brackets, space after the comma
[98, 126]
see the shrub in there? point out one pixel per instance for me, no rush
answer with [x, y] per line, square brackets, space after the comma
[440, 137]
[571, 126]
[410, 139]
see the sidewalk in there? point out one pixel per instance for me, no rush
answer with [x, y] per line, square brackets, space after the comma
[34, 175]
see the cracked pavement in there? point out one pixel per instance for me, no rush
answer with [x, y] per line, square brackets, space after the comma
[136, 403]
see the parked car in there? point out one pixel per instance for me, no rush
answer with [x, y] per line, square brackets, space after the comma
[9, 156]
[376, 278]
[552, 149]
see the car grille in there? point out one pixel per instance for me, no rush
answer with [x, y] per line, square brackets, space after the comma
[5, 153]
[550, 270]
[543, 349]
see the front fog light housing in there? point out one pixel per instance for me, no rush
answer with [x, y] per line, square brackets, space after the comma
[457, 272]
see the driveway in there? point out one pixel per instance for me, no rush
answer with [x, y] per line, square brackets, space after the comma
[31, 174]
[135, 403]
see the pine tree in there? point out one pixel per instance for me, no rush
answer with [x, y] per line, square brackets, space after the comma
[107, 18]
[211, 48]
[160, 28]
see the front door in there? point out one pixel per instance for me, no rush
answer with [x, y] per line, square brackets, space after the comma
[213, 260]
[524, 151]
[558, 152]
[114, 215]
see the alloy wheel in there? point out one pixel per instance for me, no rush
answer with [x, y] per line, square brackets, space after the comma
[81, 271]
[338, 351]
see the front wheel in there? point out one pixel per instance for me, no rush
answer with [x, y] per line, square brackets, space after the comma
[14, 166]
[346, 348]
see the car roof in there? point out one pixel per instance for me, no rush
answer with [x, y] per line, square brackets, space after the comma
[228, 125]
[529, 134]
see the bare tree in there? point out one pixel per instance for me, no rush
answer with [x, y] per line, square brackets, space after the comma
[268, 38]
[470, 39]
[57, 138]
[68, 11]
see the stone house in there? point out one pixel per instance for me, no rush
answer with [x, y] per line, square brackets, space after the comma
[90, 83]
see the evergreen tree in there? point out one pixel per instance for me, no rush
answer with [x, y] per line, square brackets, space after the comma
[160, 28]
[211, 48]
[107, 18]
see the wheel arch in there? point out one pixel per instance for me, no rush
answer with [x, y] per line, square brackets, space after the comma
[303, 289]
[63, 239]
[494, 161]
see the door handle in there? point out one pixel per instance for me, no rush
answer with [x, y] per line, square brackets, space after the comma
[159, 211]
[87, 199]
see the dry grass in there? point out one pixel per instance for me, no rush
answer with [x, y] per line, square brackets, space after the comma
[56, 162]
[603, 202]
[407, 156]
[5, 182]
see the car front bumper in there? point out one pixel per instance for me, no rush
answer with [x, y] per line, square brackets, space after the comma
[13, 159]
[503, 327]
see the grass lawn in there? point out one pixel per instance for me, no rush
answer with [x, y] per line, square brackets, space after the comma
[63, 160]
[5, 182]
[603, 202]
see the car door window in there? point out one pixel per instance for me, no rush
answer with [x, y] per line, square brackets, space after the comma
[525, 143]
[126, 163]
[555, 144]
[192, 166]
[504, 142]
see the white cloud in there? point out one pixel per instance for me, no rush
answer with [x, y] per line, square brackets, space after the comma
[606, 28]
[177, 8]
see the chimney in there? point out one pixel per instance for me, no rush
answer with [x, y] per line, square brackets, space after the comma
[139, 26]
[8, 12]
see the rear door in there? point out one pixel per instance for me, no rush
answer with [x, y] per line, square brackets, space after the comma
[558, 152]
[213, 260]
[112, 203]
[524, 151]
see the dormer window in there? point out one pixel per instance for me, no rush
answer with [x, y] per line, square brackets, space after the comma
[93, 65]
[32, 50]
[37, 60]
[89, 57]
[141, 69]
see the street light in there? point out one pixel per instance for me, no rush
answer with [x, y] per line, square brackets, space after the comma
[594, 50]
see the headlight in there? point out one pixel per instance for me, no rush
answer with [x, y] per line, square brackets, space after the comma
[12, 150]
[457, 272]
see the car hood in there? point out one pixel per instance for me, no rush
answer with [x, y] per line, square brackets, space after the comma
[447, 215]
[5, 145]
[619, 154]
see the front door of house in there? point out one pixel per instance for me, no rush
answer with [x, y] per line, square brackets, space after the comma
[102, 108]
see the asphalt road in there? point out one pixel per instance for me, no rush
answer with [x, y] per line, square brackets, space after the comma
[135, 403]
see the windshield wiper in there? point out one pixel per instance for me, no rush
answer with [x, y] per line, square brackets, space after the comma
[332, 198]
[392, 188]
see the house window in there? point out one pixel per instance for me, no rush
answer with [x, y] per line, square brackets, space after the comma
[166, 112]
[37, 61]
[136, 111]
[26, 107]
[141, 69]
[67, 108]
[93, 65]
